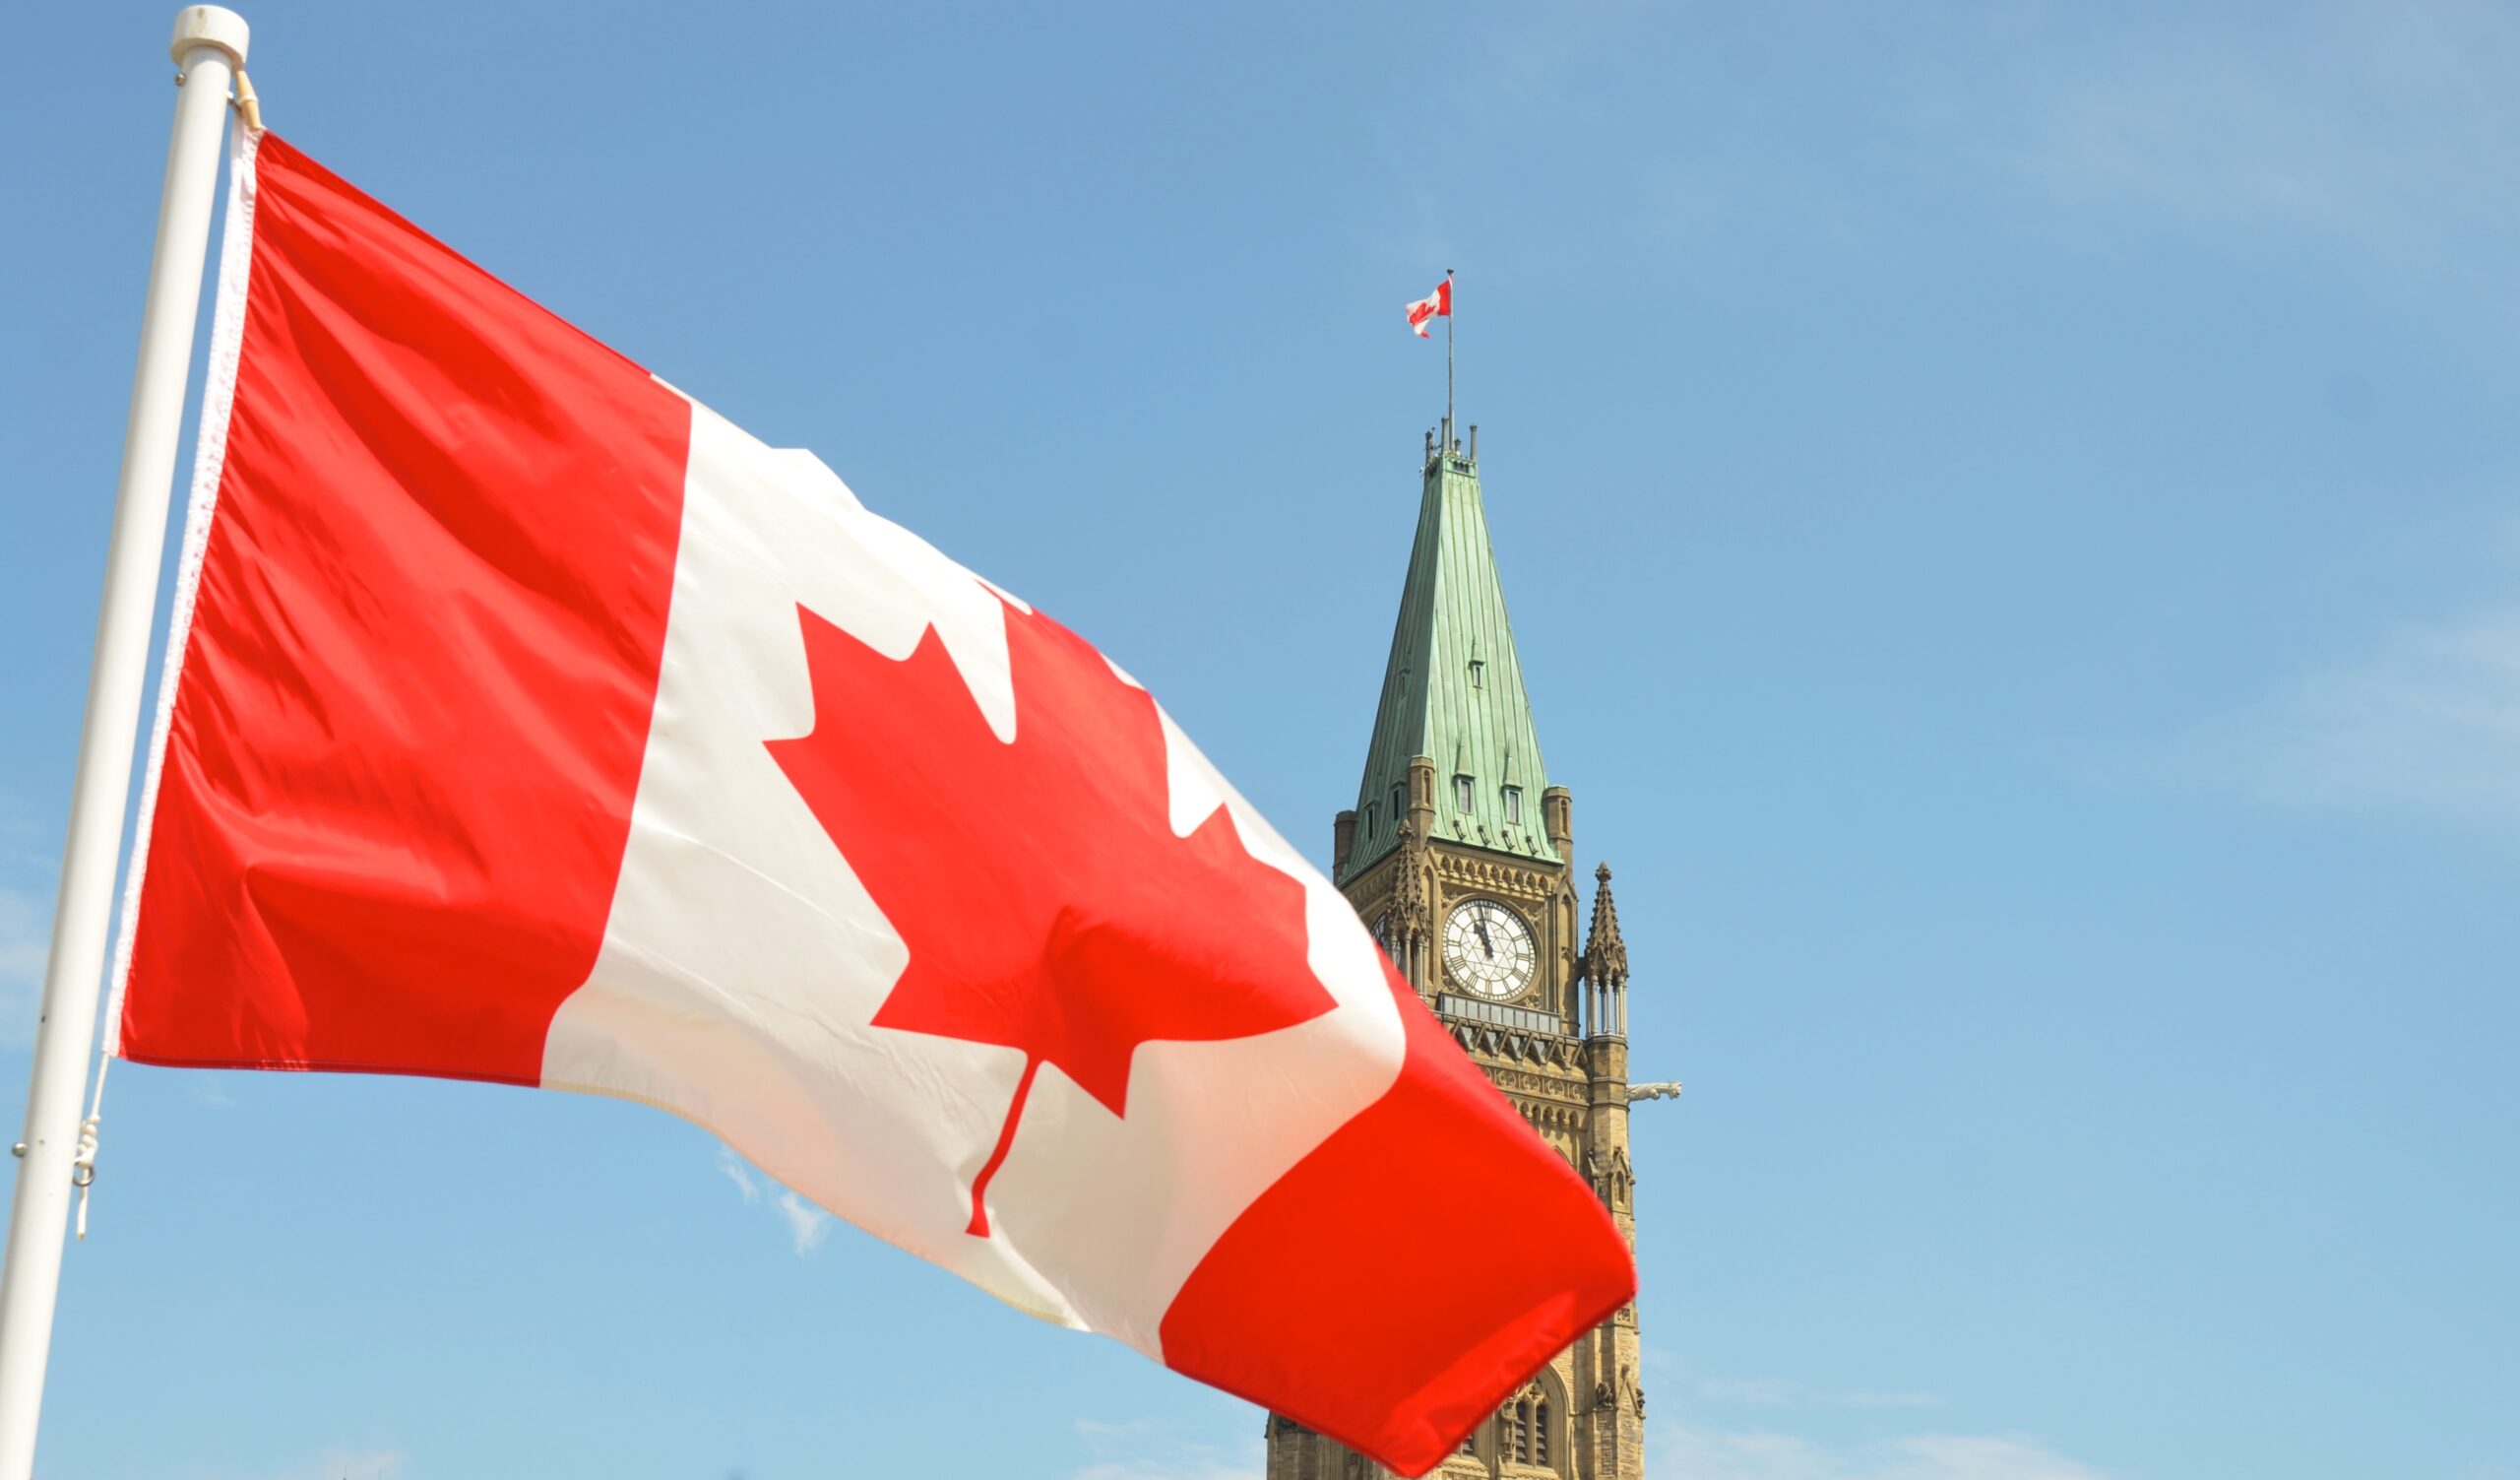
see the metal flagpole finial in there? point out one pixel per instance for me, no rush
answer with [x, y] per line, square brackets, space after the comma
[199, 26]
[210, 26]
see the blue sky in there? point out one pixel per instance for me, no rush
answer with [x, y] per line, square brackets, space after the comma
[2013, 526]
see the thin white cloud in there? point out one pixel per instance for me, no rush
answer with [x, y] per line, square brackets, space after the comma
[2379, 124]
[1146, 1450]
[740, 1175]
[2426, 724]
[1865, 1399]
[807, 1225]
[1711, 1453]
[1705, 1442]
[348, 1465]
[21, 840]
[28, 878]
[25, 937]
[1754, 1392]
[2371, 130]
[1784, 1392]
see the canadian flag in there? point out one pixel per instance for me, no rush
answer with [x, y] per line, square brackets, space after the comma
[525, 722]
[1436, 306]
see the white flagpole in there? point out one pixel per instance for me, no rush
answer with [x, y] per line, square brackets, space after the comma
[208, 49]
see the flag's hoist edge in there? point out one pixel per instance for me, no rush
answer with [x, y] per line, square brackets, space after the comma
[210, 457]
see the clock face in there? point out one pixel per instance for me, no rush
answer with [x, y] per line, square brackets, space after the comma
[1489, 949]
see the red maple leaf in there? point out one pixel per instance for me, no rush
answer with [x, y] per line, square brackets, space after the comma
[1046, 903]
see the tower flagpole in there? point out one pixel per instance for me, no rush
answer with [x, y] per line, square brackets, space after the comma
[210, 55]
[1451, 312]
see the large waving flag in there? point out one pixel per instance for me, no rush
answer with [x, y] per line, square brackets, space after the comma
[525, 722]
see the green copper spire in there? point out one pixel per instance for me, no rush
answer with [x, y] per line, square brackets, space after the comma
[1453, 690]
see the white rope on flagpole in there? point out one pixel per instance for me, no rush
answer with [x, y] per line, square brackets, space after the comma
[83, 1166]
[57, 1153]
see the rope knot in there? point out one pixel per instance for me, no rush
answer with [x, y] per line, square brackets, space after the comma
[83, 1168]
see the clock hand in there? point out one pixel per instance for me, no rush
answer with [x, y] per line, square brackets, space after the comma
[1484, 943]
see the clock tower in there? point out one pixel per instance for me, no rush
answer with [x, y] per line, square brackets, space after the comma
[1460, 857]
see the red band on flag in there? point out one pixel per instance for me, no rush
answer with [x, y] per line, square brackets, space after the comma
[413, 702]
[1322, 1288]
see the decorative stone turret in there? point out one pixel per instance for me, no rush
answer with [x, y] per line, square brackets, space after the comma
[1412, 919]
[1605, 965]
[1617, 1356]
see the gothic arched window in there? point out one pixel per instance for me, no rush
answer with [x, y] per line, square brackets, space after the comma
[1522, 1431]
[1540, 1432]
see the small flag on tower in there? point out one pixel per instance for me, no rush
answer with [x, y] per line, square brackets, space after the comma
[1436, 306]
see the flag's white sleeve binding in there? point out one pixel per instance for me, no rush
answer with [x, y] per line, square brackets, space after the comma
[210, 457]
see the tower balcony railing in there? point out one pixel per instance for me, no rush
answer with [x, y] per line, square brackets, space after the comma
[1500, 1014]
